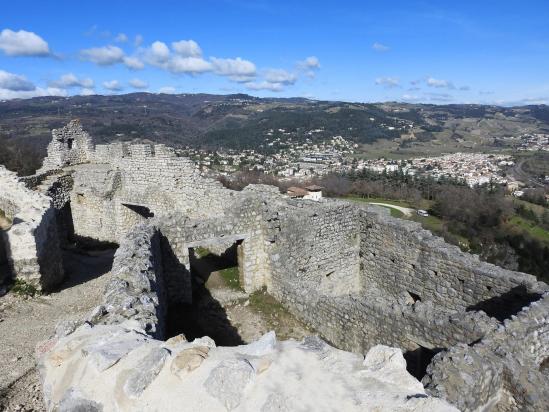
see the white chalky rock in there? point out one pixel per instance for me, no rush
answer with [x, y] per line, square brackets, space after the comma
[198, 376]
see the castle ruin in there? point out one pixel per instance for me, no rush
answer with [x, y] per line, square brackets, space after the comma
[477, 334]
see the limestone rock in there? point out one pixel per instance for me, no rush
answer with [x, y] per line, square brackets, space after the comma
[228, 381]
[149, 368]
[73, 402]
[260, 347]
[188, 360]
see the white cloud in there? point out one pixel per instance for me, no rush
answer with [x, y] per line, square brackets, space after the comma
[133, 63]
[380, 47]
[167, 90]
[23, 43]
[238, 70]
[113, 85]
[70, 80]
[103, 56]
[310, 62]
[121, 38]
[15, 82]
[438, 83]
[138, 84]
[86, 92]
[265, 85]
[187, 48]
[6, 94]
[388, 82]
[158, 54]
[138, 41]
[280, 76]
[192, 65]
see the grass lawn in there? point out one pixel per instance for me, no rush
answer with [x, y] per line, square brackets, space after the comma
[532, 229]
[231, 277]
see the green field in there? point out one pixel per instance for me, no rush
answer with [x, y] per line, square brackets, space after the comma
[533, 230]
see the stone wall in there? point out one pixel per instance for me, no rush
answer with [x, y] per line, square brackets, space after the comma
[508, 368]
[32, 242]
[70, 145]
[137, 290]
[399, 257]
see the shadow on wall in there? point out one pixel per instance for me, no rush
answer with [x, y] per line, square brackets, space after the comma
[5, 272]
[205, 316]
[504, 306]
[81, 265]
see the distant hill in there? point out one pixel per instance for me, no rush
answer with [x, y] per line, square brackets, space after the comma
[242, 121]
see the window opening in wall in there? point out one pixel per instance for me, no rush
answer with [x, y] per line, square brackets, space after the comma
[69, 143]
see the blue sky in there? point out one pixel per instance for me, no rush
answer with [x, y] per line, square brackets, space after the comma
[479, 51]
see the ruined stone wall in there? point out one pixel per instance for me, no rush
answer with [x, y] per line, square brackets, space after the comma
[31, 243]
[242, 223]
[136, 291]
[315, 246]
[506, 368]
[70, 145]
[399, 257]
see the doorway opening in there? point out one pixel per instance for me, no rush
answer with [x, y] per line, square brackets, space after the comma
[214, 271]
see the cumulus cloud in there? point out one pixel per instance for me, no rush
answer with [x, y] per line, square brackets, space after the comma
[265, 85]
[439, 83]
[15, 82]
[280, 76]
[6, 94]
[138, 84]
[380, 47]
[158, 54]
[23, 43]
[388, 82]
[191, 65]
[167, 90]
[103, 56]
[133, 63]
[113, 85]
[309, 66]
[70, 80]
[187, 48]
[121, 38]
[238, 70]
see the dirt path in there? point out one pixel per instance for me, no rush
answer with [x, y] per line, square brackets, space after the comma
[26, 321]
[254, 315]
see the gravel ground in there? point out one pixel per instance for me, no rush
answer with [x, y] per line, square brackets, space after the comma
[25, 321]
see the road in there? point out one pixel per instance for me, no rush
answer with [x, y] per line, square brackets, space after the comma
[519, 174]
[405, 210]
